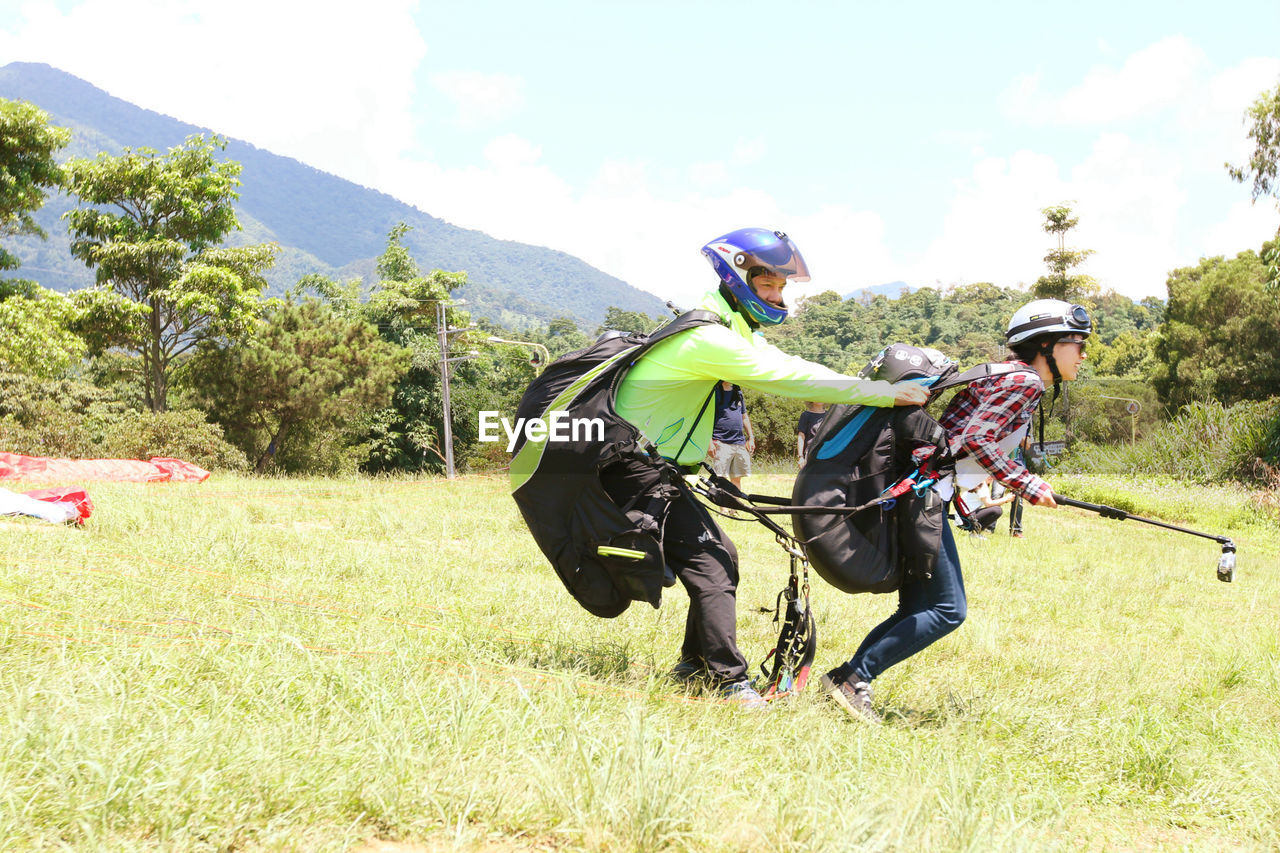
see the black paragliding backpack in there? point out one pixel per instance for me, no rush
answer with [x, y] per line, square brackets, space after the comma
[606, 555]
[884, 461]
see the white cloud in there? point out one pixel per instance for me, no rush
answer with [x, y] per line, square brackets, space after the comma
[1247, 226]
[1217, 121]
[1127, 197]
[709, 174]
[480, 98]
[1132, 197]
[844, 249]
[991, 231]
[1172, 76]
[1132, 208]
[511, 151]
[326, 82]
[1151, 80]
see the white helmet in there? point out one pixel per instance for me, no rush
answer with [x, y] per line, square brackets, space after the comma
[1043, 316]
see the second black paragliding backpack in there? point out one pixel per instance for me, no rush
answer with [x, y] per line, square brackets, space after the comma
[884, 459]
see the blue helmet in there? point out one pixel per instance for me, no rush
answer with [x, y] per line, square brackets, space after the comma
[747, 252]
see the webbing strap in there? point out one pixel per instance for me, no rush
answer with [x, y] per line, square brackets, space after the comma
[979, 371]
[689, 434]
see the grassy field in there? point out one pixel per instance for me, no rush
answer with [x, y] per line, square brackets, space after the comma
[252, 664]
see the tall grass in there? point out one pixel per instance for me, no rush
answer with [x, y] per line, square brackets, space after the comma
[256, 664]
[1206, 443]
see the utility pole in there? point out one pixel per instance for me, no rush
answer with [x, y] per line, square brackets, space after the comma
[445, 333]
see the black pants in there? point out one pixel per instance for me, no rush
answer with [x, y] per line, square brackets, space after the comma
[987, 516]
[703, 559]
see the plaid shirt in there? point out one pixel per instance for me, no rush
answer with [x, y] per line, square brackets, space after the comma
[985, 412]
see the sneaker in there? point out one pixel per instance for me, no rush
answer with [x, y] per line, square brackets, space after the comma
[853, 696]
[687, 672]
[1016, 535]
[742, 694]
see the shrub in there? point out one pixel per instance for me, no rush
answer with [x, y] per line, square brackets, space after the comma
[74, 419]
[773, 420]
[1205, 443]
[182, 434]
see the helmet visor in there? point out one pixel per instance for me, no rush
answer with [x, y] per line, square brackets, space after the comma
[776, 253]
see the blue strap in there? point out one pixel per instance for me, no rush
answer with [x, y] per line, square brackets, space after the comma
[838, 442]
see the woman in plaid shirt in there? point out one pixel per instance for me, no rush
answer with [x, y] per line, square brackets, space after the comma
[984, 423]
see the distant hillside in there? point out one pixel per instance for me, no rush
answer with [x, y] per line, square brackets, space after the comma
[891, 290]
[323, 223]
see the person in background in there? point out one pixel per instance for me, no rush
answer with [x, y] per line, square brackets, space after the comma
[1022, 456]
[979, 509]
[732, 439]
[807, 428]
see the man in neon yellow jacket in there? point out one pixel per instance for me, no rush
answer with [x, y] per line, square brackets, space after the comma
[665, 396]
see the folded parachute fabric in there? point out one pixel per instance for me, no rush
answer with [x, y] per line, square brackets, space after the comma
[73, 495]
[59, 506]
[159, 469]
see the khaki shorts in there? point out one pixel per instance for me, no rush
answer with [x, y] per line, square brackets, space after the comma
[732, 460]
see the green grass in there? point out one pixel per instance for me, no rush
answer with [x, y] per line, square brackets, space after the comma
[257, 664]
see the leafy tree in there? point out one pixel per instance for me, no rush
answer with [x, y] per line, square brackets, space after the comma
[1058, 220]
[1263, 169]
[406, 434]
[305, 371]
[27, 169]
[151, 226]
[1264, 164]
[36, 336]
[1129, 354]
[1218, 338]
[627, 321]
[562, 335]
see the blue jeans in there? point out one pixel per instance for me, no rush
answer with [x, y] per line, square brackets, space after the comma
[928, 610]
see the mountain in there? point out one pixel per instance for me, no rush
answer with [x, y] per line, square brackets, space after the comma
[892, 290]
[324, 224]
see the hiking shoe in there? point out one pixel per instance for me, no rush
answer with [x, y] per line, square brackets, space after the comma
[742, 694]
[853, 696]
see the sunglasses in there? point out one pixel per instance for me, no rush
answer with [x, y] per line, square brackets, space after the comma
[1081, 344]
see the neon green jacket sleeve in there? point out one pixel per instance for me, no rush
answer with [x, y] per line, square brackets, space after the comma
[665, 390]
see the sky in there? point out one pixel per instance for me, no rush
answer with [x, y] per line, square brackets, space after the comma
[894, 142]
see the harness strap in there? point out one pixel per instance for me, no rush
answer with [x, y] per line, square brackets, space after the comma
[696, 421]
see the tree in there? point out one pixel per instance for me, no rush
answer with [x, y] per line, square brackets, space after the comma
[627, 321]
[1262, 170]
[562, 336]
[1265, 162]
[27, 168]
[406, 434]
[36, 336]
[307, 369]
[1126, 355]
[1059, 284]
[1218, 338]
[151, 226]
